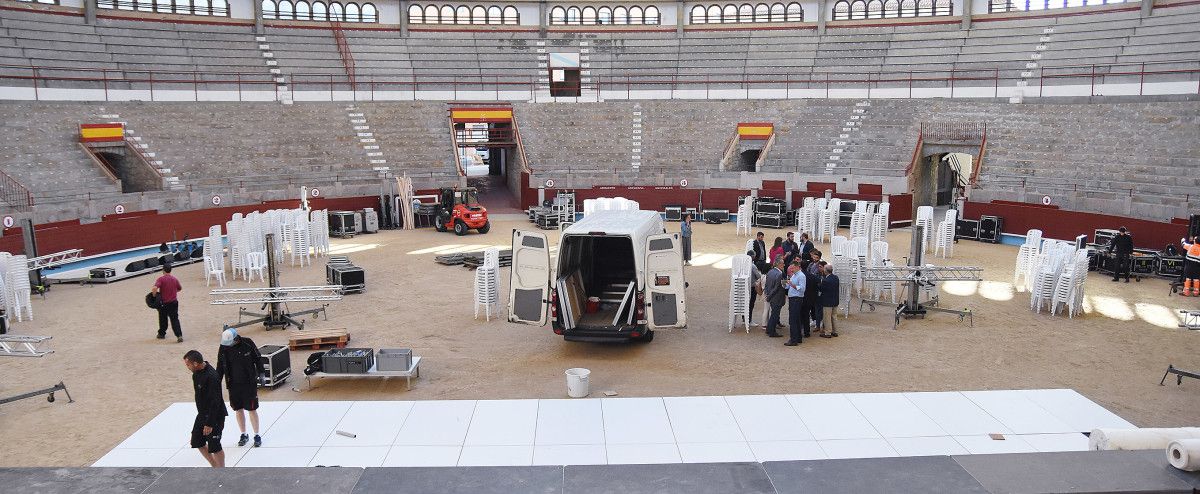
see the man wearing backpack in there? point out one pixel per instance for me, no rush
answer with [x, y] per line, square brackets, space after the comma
[240, 364]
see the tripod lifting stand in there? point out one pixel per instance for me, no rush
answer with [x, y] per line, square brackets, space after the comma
[915, 276]
[274, 298]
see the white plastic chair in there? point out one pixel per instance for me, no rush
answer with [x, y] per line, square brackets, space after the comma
[213, 270]
[739, 291]
[256, 262]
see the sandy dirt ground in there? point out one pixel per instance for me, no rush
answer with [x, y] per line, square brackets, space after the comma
[121, 377]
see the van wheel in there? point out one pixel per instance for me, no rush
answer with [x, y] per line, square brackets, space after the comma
[647, 338]
[487, 227]
[460, 228]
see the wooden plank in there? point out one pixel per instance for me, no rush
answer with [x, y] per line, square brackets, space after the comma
[316, 339]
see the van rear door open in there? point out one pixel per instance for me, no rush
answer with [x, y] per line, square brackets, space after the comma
[529, 282]
[665, 307]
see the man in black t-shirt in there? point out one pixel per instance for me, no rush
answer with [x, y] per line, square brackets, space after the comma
[210, 409]
[240, 363]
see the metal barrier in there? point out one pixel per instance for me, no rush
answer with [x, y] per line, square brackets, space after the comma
[503, 87]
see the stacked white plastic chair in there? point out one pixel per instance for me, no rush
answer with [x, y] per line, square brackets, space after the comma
[319, 231]
[863, 252]
[829, 219]
[301, 247]
[924, 219]
[1048, 266]
[235, 233]
[214, 257]
[879, 258]
[744, 218]
[853, 276]
[944, 235]
[806, 219]
[18, 290]
[837, 245]
[1068, 292]
[844, 270]
[739, 291]
[1026, 256]
[487, 287]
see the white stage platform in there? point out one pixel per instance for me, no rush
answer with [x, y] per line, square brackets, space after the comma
[601, 431]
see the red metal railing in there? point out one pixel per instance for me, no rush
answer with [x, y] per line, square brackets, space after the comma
[484, 137]
[454, 86]
[343, 48]
[15, 195]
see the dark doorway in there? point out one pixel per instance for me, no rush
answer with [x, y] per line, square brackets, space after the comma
[925, 181]
[565, 82]
[134, 175]
[749, 160]
[947, 180]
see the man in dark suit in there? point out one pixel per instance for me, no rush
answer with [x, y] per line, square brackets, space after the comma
[760, 253]
[790, 248]
[776, 295]
[1122, 246]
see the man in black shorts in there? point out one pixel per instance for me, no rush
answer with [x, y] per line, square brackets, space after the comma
[210, 409]
[240, 363]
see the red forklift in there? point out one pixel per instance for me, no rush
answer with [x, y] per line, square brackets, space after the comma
[458, 209]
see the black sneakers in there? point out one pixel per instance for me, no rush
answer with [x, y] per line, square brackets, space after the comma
[243, 440]
[257, 440]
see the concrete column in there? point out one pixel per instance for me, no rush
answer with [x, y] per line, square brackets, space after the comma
[966, 14]
[258, 15]
[822, 14]
[680, 16]
[1147, 7]
[89, 11]
[403, 18]
[542, 19]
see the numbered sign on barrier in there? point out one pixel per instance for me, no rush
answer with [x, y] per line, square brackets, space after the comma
[683, 182]
[315, 192]
[1045, 200]
[9, 222]
[119, 209]
[549, 183]
[216, 200]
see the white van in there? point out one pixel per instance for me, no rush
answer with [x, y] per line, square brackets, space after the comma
[624, 258]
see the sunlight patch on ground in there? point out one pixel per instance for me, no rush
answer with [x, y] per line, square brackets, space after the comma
[450, 249]
[960, 288]
[997, 290]
[1112, 307]
[1158, 315]
[725, 264]
[708, 259]
[350, 248]
[431, 250]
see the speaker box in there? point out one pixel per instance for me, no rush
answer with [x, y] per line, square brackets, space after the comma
[769, 220]
[990, 228]
[968, 229]
[673, 212]
[768, 205]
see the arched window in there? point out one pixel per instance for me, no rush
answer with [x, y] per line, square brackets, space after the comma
[200, 7]
[447, 14]
[858, 10]
[944, 7]
[124, 5]
[145, 5]
[745, 13]
[635, 15]
[653, 16]
[589, 15]
[415, 15]
[352, 13]
[303, 12]
[511, 16]
[891, 9]
[573, 16]
[875, 9]
[163, 6]
[286, 11]
[462, 15]
[620, 15]
[268, 9]
[320, 12]
[431, 15]
[908, 8]
[795, 13]
[697, 15]
[105, 4]
[841, 10]
[777, 12]
[925, 8]
[729, 14]
[604, 16]
[762, 13]
[493, 15]
[478, 15]
[336, 12]
[370, 13]
[714, 14]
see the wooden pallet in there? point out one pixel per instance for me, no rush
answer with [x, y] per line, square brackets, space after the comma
[316, 338]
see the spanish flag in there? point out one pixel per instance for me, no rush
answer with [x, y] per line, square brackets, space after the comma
[105, 132]
[760, 131]
[481, 115]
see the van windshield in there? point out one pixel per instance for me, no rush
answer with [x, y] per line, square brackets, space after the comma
[597, 267]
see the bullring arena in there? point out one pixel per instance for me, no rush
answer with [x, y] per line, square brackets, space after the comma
[251, 147]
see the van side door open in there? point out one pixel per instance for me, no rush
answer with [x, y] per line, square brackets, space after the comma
[529, 281]
[665, 302]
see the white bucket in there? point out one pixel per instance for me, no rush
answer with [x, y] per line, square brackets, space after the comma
[577, 382]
